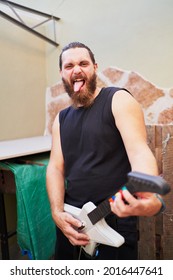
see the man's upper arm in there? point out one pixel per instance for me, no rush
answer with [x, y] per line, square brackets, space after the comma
[129, 120]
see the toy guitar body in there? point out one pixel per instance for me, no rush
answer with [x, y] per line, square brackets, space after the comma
[92, 217]
[99, 233]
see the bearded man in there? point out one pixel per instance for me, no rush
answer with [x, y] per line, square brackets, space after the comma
[95, 143]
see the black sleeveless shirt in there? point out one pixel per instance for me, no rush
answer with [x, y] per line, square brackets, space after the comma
[96, 163]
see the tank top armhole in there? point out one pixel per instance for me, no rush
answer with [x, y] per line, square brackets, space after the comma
[111, 91]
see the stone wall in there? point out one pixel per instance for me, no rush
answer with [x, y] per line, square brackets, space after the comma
[157, 103]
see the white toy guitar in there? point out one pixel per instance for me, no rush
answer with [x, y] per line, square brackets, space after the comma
[92, 217]
[98, 233]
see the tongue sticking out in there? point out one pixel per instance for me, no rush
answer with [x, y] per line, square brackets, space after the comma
[77, 86]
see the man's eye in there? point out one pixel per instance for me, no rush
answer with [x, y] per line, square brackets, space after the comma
[68, 66]
[84, 64]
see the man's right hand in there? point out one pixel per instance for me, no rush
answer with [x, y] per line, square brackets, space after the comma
[69, 226]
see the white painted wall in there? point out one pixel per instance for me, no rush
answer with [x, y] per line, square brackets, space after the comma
[129, 34]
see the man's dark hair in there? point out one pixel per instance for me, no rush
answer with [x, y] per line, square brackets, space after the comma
[74, 45]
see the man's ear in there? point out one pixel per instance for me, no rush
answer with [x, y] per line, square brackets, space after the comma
[96, 66]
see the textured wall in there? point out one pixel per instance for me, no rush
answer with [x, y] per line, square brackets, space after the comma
[157, 103]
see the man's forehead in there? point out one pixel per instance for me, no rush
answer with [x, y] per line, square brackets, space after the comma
[75, 53]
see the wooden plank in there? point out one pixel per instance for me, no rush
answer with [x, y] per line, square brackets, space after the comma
[156, 238]
[146, 244]
[159, 229]
[158, 147]
[167, 152]
[159, 218]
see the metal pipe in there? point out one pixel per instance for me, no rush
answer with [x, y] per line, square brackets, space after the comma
[14, 11]
[29, 9]
[11, 19]
[41, 23]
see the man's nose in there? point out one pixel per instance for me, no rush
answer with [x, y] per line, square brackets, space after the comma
[77, 69]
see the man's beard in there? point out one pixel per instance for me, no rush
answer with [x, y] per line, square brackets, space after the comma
[82, 98]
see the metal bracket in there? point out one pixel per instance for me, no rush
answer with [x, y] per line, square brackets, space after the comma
[20, 22]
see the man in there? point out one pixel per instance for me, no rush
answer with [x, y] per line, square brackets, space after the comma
[95, 143]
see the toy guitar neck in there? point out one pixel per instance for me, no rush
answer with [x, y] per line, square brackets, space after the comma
[137, 182]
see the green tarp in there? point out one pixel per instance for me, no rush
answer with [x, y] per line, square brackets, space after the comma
[36, 232]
